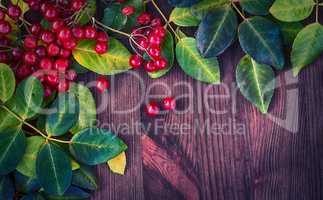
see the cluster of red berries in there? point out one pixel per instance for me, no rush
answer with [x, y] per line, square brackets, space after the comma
[148, 39]
[152, 109]
[46, 53]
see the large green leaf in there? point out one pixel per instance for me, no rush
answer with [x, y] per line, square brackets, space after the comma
[206, 6]
[73, 193]
[27, 165]
[28, 98]
[183, 17]
[94, 146]
[86, 13]
[261, 39]
[183, 3]
[256, 82]
[217, 31]
[25, 184]
[292, 10]
[7, 189]
[256, 7]
[34, 196]
[12, 148]
[113, 17]
[190, 60]
[115, 61]
[87, 114]
[64, 114]
[54, 170]
[85, 178]
[307, 47]
[167, 52]
[7, 82]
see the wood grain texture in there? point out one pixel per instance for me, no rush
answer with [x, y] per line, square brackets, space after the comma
[247, 156]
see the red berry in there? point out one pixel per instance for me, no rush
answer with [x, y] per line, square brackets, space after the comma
[102, 84]
[64, 53]
[4, 58]
[14, 12]
[71, 75]
[70, 44]
[34, 5]
[51, 13]
[52, 79]
[5, 27]
[101, 47]
[144, 18]
[57, 25]
[46, 63]
[135, 61]
[169, 103]
[161, 63]
[30, 58]
[53, 49]
[30, 42]
[63, 86]
[61, 64]
[154, 40]
[78, 32]
[2, 14]
[35, 29]
[47, 37]
[159, 31]
[90, 32]
[102, 37]
[128, 10]
[40, 51]
[23, 71]
[143, 44]
[43, 7]
[150, 66]
[17, 53]
[77, 4]
[154, 52]
[47, 92]
[156, 22]
[64, 34]
[152, 109]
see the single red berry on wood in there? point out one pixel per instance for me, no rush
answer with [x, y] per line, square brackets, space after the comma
[128, 10]
[47, 37]
[14, 12]
[152, 109]
[102, 37]
[135, 61]
[102, 84]
[161, 63]
[30, 42]
[61, 64]
[5, 27]
[144, 18]
[169, 103]
[154, 52]
[101, 47]
[150, 66]
[30, 58]
[78, 33]
[90, 32]
[53, 49]
[63, 86]
[46, 63]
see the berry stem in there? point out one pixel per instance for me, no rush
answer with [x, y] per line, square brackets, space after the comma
[31, 126]
[317, 11]
[111, 29]
[165, 19]
[238, 10]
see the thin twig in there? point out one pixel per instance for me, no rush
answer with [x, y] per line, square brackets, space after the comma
[111, 29]
[237, 9]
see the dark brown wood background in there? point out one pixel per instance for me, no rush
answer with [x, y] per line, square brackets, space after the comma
[266, 162]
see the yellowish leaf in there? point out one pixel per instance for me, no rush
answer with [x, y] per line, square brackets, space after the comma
[118, 164]
[75, 165]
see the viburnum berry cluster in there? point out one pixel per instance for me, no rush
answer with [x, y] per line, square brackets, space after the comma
[46, 52]
[148, 40]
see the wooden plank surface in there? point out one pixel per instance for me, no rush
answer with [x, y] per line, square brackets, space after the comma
[245, 156]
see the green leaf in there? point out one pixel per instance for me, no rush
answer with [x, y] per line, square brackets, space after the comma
[115, 61]
[114, 18]
[27, 165]
[256, 82]
[261, 39]
[87, 114]
[7, 82]
[206, 6]
[217, 32]
[64, 114]
[168, 53]
[12, 148]
[7, 190]
[85, 178]
[118, 164]
[183, 3]
[289, 31]
[25, 184]
[86, 13]
[28, 98]
[7, 120]
[54, 170]
[22, 5]
[33, 197]
[307, 47]
[77, 67]
[73, 193]
[190, 60]
[94, 146]
[292, 10]
[183, 17]
[256, 7]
